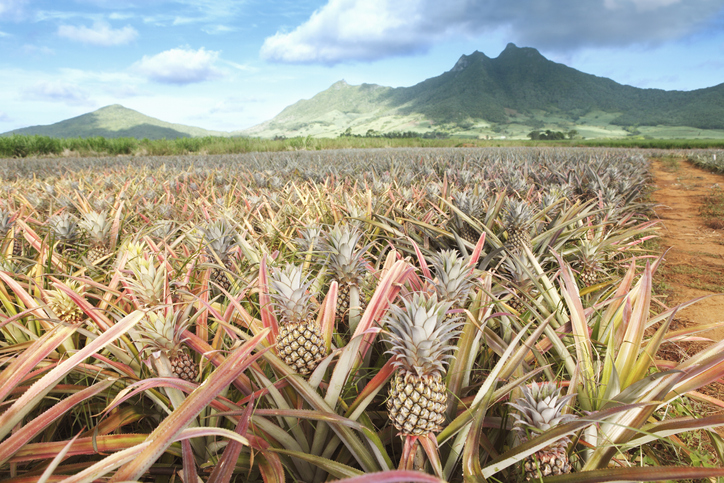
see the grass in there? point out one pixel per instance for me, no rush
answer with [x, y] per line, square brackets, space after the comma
[712, 209]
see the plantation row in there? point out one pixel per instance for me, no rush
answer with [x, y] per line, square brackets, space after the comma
[378, 315]
[19, 146]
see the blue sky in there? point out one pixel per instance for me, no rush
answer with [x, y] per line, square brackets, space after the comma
[228, 65]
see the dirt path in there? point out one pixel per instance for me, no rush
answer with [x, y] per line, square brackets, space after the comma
[695, 260]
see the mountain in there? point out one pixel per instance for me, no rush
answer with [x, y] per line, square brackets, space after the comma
[519, 88]
[114, 122]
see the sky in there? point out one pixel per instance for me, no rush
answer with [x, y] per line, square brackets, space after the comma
[229, 65]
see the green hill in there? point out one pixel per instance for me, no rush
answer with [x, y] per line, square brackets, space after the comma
[114, 122]
[518, 91]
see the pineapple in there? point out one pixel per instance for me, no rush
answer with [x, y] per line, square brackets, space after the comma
[540, 410]
[161, 333]
[523, 288]
[97, 227]
[346, 263]
[589, 262]
[7, 223]
[420, 336]
[472, 206]
[300, 341]
[63, 306]
[518, 215]
[220, 238]
[453, 278]
[65, 231]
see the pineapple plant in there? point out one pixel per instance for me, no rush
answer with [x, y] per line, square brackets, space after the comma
[541, 410]
[589, 262]
[220, 238]
[64, 230]
[300, 341]
[522, 287]
[161, 334]
[453, 280]
[7, 223]
[97, 227]
[517, 219]
[472, 206]
[420, 337]
[346, 264]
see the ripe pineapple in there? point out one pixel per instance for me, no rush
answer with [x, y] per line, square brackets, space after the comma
[420, 336]
[589, 262]
[540, 410]
[63, 306]
[453, 278]
[472, 206]
[346, 263]
[518, 215]
[97, 227]
[220, 238]
[65, 232]
[300, 341]
[162, 333]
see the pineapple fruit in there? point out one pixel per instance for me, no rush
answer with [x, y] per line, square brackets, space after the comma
[97, 227]
[540, 410]
[420, 337]
[63, 306]
[517, 217]
[161, 333]
[472, 206]
[300, 341]
[522, 288]
[220, 238]
[346, 263]
[7, 223]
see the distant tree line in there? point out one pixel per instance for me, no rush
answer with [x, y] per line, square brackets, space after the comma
[371, 133]
[549, 135]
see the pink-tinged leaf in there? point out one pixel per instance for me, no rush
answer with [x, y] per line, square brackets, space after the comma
[107, 464]
[626, 360]
[25, 403]
[326, 315]
[224, 469]
[19, 367]
[24, 296]
[394, 476]
[638, 473]
[202, 328]
[171, 427]
[104, 444]
[121, 367]
[56, 461]
[29, 430]
[429, 444]
[189, 465]
[270, 467]
[372, 388]
[421, 260]
[268, 319]
[477, 251]
[705, 398]
[334, 468]
[202, 347]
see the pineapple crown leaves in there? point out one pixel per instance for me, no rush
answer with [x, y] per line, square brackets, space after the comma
[420, 335]
[291, 297]
[6, 222]
[540, 408]
[453, 277]
[148, 281]
[518, 213]
[62, 305]
[469, 203]
[64, 226]
[96, 225]
[162, 331]
[221, 237]
[346, 262]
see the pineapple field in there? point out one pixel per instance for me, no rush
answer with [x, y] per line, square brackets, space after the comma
[378, 315]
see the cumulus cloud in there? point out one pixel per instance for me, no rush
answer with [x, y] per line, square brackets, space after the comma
[100, 33]
[348, 30]
[12, 9]
[180, 66]
[56, 92]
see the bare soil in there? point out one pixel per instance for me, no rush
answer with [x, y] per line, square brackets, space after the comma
[694, 262]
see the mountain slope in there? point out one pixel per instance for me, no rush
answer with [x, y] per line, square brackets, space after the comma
[520, 86]
[113, 122]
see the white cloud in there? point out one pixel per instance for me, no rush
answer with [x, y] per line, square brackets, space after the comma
[12, 9]
[354, 30]
[100, 34]
[4, 117]
[56, 92]
[180, 66]
[35, 49]
[4, 34]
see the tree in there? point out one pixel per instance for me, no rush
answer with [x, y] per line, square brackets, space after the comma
[572, 134]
